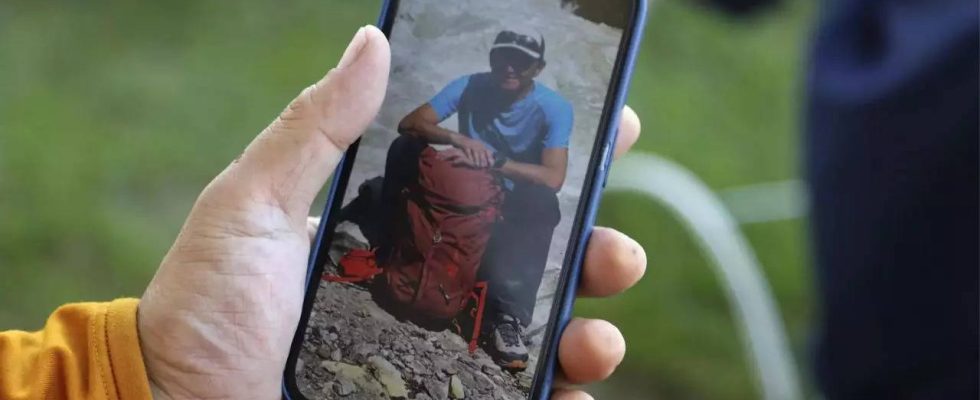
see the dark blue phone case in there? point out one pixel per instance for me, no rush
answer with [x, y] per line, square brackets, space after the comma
[585, 217]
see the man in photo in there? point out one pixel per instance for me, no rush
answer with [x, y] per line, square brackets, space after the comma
[518, 129]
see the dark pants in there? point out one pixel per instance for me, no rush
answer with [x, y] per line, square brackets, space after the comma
[517, 253]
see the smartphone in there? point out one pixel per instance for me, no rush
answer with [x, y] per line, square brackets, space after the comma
[449, 252]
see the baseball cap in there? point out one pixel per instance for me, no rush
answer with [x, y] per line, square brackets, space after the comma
[528, 40]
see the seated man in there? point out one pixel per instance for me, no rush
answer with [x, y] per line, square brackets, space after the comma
[520, 130]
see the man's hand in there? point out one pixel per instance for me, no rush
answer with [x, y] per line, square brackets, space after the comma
[457, 157]
[477, 152]
[218, 318]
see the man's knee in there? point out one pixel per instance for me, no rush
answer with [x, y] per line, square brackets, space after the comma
[405, 148]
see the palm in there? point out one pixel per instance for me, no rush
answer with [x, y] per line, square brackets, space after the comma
[216, 316]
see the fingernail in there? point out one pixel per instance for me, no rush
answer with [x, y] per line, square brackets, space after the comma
[353, 49]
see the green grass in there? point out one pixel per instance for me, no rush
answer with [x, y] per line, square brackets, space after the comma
[114, 114]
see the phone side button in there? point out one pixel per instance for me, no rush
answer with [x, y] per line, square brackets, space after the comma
[604, 166]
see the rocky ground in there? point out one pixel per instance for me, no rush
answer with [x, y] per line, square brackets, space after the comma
[356, 350]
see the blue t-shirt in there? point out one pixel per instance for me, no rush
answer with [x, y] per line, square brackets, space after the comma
[521, 131]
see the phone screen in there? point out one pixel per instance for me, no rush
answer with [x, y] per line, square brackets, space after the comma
[449, 241]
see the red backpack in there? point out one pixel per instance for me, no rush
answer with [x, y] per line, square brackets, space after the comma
[441, 237]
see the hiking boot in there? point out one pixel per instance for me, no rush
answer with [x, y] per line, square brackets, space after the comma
[508, 344]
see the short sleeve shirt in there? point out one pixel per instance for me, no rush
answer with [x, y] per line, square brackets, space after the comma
[541, 120]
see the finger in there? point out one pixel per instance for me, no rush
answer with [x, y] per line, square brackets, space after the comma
[613, 263]
[629, 131]
[590, 350]
[472, 158]
[312, 225]
[448, 154]
[460, 162]
[290, 161]
[565, 394]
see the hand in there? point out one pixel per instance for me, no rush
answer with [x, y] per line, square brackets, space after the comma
[457, 157]
[218, 318]
[478, 154]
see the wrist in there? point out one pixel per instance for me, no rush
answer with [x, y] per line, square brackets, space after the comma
[499, 160]
[456, 140]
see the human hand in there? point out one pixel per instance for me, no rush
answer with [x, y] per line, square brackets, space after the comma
[477, 153]
[457, 157]
[219, 316]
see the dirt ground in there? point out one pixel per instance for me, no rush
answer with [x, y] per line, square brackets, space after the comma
[356, 350]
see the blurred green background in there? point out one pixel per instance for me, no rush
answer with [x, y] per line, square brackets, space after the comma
[114, 114]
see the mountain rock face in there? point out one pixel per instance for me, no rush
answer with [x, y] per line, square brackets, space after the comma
[357, 350]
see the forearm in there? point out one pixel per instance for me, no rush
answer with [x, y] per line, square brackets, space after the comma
[429, 132]
[534, 173]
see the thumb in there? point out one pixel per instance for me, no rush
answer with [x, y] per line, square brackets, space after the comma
[290, 161]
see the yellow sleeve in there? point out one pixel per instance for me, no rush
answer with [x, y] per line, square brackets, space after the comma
[86, 351]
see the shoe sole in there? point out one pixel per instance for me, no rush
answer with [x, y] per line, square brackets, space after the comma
[515, 365]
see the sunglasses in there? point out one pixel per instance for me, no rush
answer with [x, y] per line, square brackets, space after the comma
[516, 59]
[520, 40]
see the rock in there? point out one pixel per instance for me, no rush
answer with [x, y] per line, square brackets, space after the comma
[300, 365]
[436, 389]
[389, 376]
[336, 355]
[456, 390]
[342, 369]
[323, 352]
[365, 349]
[344, 386]
[357, 375]
[446, 365]
[424, 347]
[524, 379]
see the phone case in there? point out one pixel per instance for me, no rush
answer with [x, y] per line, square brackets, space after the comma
[588, 206]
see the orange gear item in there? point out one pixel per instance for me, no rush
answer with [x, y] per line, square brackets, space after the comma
[358, 265]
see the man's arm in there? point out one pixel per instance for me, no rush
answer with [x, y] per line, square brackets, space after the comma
[423, 124]
[551, 172]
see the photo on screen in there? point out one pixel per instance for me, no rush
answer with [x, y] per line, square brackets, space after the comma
[442, 271]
